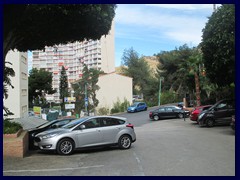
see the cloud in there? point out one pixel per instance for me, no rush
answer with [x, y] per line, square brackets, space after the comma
[183, 6]
[157, 19]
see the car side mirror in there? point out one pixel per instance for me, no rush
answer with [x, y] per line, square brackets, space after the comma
[54, 126]
[82, 126]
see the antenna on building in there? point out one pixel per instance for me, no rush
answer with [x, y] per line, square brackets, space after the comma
[214, 7]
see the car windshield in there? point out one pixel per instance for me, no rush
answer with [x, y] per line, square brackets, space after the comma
[134, 105]
[46, 124]
[74, 123]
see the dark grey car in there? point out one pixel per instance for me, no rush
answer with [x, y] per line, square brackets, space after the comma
[88, 132]
[219, 113]
[165, 112]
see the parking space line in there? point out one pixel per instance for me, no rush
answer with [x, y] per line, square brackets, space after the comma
[139, 164]
[61, 169]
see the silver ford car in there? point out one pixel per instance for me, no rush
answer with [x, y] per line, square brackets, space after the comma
[87, 132]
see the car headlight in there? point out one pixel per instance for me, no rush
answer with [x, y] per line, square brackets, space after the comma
[201, 115]
[48, 136]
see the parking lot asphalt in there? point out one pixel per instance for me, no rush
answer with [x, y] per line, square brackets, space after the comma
[163, 148]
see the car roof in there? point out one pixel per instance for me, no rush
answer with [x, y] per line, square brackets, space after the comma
[105, 116]
[197, 107]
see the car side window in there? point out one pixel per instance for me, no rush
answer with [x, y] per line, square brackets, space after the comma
[161, 110]
[222, 106]
[169, 109]
[111, 122]
[92, 123]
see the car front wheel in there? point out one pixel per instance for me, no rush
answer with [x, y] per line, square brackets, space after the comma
[210, 122]
[65, 147]
[124, 142]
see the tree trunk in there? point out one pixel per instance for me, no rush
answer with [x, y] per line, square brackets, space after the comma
[197, 84]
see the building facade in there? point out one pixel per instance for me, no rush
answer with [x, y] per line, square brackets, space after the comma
[98, 54]
[17, 101]
[113, 88]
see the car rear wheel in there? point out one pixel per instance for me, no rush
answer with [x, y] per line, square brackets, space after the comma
[180, 115]
[124, 142]
[155, 117]
[65, 147]
[210, 122]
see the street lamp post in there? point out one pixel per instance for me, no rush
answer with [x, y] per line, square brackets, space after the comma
[159, 92]
[86, 99]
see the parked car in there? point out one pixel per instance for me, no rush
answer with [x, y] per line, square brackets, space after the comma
[137, 106]
[219, 113]
[45, 126]
[233, 122]
[197, 110]
[87, 132]
[168, 112]
[180, 104]
[31, 113]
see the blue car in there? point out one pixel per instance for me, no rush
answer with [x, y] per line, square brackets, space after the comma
[137, 106]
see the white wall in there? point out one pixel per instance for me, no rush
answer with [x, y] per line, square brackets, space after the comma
[17, 100]
[113, 87]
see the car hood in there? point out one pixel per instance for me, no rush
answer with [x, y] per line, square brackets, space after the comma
[53, 131]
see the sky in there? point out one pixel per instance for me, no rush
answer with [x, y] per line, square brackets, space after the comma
[152, 28]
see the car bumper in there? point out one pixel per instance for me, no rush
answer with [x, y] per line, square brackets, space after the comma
[47, 144]
[193, 118]
[131, 110]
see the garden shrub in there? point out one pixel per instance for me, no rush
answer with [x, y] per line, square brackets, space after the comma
[11, 127]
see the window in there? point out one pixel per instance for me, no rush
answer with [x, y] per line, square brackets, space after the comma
[23, 59]
[24, 75]
[169, 109]
[161, 110]
[111, 121]
[92, 123]
[24, 109]
[24, 92]
[222, 106]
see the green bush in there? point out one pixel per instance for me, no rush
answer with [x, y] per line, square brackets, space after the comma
[120, 107]
[167, 97]
[103, 111]
[11, 127]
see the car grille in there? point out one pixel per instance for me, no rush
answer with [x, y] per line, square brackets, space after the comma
[37, 139]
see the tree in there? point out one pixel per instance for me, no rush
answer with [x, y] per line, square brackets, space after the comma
[86, 87]
[63, 87]
[218, 46]
[34, 26]
[8, 71]
[137, 68]
[40, 83]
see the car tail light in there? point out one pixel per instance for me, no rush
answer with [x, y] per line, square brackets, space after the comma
[130, 125]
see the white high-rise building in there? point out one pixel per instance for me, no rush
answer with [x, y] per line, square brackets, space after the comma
[97, 54]
[17, 101]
